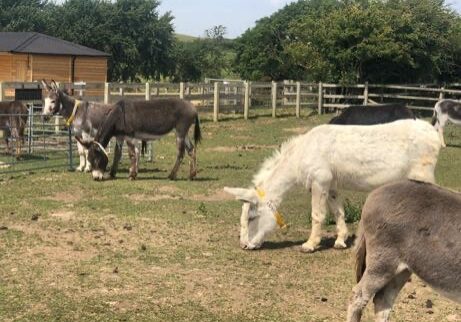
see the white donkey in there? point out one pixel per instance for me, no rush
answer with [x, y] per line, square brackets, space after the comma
[332, 157]
[444, 111]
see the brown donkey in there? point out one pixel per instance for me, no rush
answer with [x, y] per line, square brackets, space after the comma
[406, 227]
[13, 121]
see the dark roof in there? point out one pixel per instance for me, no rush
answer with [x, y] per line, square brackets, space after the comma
[36, 43]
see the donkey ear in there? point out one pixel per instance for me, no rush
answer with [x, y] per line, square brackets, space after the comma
[84, 143]
[45, 85]
[242, 194]
[54, 85]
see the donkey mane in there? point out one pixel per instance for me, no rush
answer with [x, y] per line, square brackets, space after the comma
[271, 162]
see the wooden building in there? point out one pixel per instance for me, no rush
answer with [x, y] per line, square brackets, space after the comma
[31, 56]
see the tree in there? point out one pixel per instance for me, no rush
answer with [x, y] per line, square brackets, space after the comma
[354, 41]
[260, 51]
[139, 40]
[25, 15]
[211, 56]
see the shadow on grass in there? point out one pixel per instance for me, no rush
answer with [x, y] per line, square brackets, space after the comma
[165, 178]
[326, 243]
[451, 145]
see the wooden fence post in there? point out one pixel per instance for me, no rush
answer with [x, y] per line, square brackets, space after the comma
[246, 105]
[365, 94]
[298, 99]
[274, 98]
[181, 90]
[441, 94]
[147, 94]
[122, 91]
[106, 93]
[320, 98]
[216, 102]
[1, 91]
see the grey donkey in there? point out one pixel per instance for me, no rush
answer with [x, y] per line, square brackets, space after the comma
[406, 227]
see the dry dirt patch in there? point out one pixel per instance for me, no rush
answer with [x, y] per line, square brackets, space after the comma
[137, 197]
[246, 147]
[73, 196]
[64, 215]
[298, 130]
[218, 195]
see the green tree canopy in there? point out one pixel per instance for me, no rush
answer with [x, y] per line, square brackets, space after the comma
[354, 41]
[139, 40]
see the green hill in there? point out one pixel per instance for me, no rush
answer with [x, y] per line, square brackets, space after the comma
[185, 38]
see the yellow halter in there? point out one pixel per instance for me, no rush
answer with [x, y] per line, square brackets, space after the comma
[74, 111]
[278, 216]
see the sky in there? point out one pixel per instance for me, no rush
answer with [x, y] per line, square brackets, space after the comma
[193, 17]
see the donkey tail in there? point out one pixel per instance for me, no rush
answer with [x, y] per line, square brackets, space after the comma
[197, 131]
[360, 253]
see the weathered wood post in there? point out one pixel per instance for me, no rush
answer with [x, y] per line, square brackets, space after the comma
[274, 98]
[181, 90]
[442, 93]
[216, 102]
[122, 91]
[320, 105]
[1, 91]
[246, 104]
[298, 99]
[150, 149]
[365, 94]
[147, 93]
[106, 93]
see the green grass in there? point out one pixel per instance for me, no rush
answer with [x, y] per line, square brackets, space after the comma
[156, 250]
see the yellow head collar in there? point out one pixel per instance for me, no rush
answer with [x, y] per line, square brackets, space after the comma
[278, 216]
[74, 111]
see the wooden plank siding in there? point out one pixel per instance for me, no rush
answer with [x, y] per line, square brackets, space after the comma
[5, 66]
[90, 69]
[51, 67]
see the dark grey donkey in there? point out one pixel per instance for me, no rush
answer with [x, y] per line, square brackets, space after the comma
[13, 121]
[84, 117]
[444, 111]
[145, 120]
[406, 227]
[373, 114]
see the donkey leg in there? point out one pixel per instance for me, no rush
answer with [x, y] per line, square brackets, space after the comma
[117, 157]
[181, 146]
[385, 298]
[336, 207]
[82, 156]
[133, 153]
[370, 284]
[319, 211]
[192, 154]
[18, 148]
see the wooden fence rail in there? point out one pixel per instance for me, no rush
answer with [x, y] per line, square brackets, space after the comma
[242, 97]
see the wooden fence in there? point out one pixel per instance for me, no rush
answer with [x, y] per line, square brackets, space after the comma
[244, 98]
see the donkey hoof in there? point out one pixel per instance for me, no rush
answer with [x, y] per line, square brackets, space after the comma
[131, 178]
[340, 244]
[87, 170]
[79, 169]
[307, 248]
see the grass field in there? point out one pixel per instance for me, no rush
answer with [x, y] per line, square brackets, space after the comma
[72, 249]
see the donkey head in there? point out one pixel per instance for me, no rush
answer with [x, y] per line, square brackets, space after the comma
[97, 156]
[257, 219]
[52, 104]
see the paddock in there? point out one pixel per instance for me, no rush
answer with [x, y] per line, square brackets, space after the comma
[156, 250]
